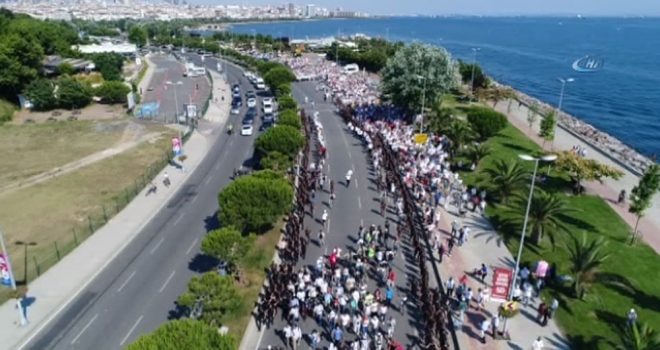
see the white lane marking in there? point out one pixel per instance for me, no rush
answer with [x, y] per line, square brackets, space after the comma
[166, 282]
[84, 328]
[359, 203]
[194, 199]
[328, 167]
[356, 185]
[179, 219]
[131, 331]
[153, 250]
[362, 222]
[328, 228]
[125, 282]
[208, 180]
[191, 246]
[217, 167]
[231, 142]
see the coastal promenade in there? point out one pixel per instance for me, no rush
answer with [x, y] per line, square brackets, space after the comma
[609, 189]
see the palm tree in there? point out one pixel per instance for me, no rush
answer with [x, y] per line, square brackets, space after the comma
[586, 258]
[545, 214]
[477, 152]
[636, 337]
[506, 178]
[459, 133]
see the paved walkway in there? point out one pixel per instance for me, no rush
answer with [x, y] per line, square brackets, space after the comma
[221, 89]
[609, 189]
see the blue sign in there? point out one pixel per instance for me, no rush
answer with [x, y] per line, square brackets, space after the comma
[588, 64]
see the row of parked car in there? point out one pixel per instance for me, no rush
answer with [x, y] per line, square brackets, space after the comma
[267, 106]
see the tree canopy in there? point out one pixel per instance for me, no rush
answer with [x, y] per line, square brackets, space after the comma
[581, 169]
[138, 36]
[113, 91]
[213, 295]
[278, 76]
[184, 334]
[372, 54]
[486, 122]
[287, 102]
[253, 203]
[226, 244]
[470, 70]
[417, 72]
[290, 117]
[281, 138]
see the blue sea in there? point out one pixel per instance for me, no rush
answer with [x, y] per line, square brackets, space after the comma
[530, 54]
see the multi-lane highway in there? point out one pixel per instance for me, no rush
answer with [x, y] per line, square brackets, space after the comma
[137, 290]
[355, 205]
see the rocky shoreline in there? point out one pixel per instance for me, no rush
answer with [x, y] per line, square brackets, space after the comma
[606, 143]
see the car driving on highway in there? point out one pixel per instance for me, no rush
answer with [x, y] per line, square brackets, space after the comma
[246, 130]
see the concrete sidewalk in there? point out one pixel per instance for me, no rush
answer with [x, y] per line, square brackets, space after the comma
[484, 247]
[220, 105]
[60, 285]
[609, 189]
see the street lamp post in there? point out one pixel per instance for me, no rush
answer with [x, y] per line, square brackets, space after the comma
[474, 64]
[176, 105]
[421, 122]
[525, 157]
[561, 100]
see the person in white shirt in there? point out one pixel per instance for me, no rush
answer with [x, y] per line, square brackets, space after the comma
[538, 344]
[288, 335]
[324, 217]
[297, 336]
[348, 177]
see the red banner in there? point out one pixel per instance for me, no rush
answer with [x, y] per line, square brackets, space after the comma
[501, 283]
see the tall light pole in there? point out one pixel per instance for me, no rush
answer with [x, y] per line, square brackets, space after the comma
[421, 122]
[561, 99]
[176, 105]
[525, 157]
[474, 64]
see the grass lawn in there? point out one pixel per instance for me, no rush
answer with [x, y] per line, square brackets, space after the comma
[48, 213]
[255, 265]
[583, 321]
[37, 148]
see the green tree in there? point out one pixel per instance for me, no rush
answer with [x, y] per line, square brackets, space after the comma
[546, 214]
[283, 90]
[584, 169]
[506, 178]
[278, 76]
[138, 36]
[72, 94]
[109, 64]
[287, 102]
[547, 127]
[289, 117]
[254, 203]
[229, 245]
[586, 258]
[210, 297]
[641, 195]
[466, 71]
[41, 93]
[184, 334]
[276, 161]
[458, 132]
[477, 152]
[20, 62]
[263, 67]
[418, 71]
[636, 336]
[486, 122]
[65, 69]
[113, 91]
[282, 138]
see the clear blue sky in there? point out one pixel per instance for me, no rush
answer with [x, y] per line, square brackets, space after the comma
[474, 7]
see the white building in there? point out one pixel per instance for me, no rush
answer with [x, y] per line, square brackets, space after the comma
[310, 11]
[124, 49]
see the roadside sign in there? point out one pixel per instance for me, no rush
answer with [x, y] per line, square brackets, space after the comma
[421, 138]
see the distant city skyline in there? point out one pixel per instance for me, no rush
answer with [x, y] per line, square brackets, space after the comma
[473, 7]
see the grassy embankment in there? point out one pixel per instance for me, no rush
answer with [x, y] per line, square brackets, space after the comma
[582, 321]
[58, 213]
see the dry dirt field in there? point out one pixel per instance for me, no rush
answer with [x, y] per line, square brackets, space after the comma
[47, 211]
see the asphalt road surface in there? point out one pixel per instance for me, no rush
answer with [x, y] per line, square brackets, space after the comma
[355, 205]
[136, 292]
[194, 90]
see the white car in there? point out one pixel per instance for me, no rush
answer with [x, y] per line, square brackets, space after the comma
[268, 107]
[251, 103]
[246, 130]
[267, 100]
[260, 84]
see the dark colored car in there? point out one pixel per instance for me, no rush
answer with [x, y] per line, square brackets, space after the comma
[237, 101]
[236, 89]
